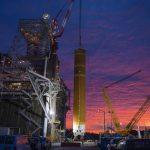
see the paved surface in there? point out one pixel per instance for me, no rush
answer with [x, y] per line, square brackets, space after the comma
[76, 148]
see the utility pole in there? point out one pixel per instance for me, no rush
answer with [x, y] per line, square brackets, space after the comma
[104, 121]
[104, 117]
[110, 119]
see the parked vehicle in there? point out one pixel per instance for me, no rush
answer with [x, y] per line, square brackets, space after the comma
[112, 145]
[39, 143]
[103, 142]
[14, 142]
[45, 143]
[134, 144]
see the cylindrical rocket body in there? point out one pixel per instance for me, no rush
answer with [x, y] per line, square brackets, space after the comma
[79, 93]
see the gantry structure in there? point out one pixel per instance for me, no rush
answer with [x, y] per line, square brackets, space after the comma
[33, 97]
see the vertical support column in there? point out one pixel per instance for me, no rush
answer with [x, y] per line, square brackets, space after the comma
[79, 93]
[53, 123]
[45, 119]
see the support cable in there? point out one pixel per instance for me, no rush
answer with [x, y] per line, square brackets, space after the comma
[60, 11]
[80, 23]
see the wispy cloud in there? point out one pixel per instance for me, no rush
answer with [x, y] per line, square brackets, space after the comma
[116, 35]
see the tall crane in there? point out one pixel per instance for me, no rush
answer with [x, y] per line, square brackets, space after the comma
[41, 36]
[108, 103]
[144, 107]
[108, 100]
[56, 32]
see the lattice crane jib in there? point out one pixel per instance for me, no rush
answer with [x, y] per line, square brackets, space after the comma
[144, 107]
[108, 103]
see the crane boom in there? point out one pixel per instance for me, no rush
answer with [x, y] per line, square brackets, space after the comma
[125, 78]
[138, 114]
[59, 34]
[108, 100]
[108, 103]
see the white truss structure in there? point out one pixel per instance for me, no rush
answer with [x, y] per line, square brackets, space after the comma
[45, 88]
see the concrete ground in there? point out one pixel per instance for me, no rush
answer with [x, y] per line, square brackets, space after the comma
[75, 148]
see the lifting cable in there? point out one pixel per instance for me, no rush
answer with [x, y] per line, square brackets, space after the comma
[80, 23]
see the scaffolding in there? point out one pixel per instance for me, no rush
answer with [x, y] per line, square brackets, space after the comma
[36, 92]
[31, 82]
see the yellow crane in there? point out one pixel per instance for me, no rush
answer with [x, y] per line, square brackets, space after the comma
[144, 107]
[108, 103]
[114, 117]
